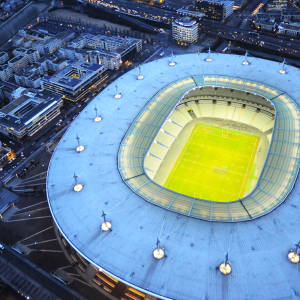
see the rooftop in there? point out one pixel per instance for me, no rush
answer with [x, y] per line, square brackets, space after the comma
[3, 67]
[16, 58]
[25, 107]
[74, 74]
[190, 12]
[194, 248]
[185, 21]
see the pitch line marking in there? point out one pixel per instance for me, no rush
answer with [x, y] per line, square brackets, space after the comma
[255, 147]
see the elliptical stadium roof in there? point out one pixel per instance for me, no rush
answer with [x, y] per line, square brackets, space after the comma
[194, 248]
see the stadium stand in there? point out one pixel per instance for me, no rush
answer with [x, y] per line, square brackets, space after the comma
[234, 99]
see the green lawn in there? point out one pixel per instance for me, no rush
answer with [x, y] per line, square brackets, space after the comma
[214, 164]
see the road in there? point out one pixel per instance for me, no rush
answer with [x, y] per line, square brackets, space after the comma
[284, 46]
[41, 277]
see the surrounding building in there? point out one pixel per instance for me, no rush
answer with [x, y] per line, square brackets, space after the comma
[6, 90]
[3, 57]
[76, 80]
[189, 13]
[32, 74]
[107, 51]
[28, 112]
[277, 5]
[112, 61]
[6, 155]
[43, 42]
[31, 54]
[6, 72]
[185, 30]
[215, 10]
[265, 22]
[290, 16]
[18, 63]
[239, 4]
[289, 29]
[163, 243]
[28, 77]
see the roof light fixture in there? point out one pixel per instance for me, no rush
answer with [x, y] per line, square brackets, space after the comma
[172, 63]
[78, 186]
[97, 118]
[159, 252]
[140, 77]
[106, 225]
[293, 256]
[246, 62]
[117, 95]
[225, 267]
[209, 58]
[283, 70]
[79, 147]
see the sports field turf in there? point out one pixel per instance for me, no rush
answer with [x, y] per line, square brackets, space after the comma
[214, 164]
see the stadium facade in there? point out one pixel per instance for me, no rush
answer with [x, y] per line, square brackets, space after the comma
[195, 234]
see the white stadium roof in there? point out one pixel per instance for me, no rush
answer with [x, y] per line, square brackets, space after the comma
[194, 248]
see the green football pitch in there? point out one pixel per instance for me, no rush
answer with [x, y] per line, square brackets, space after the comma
[214, 164]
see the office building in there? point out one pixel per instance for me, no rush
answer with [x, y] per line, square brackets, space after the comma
[76, 80]
[215, 10]
[185, 30]
[28, 112]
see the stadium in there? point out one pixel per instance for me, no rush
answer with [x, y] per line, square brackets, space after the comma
[176, 169]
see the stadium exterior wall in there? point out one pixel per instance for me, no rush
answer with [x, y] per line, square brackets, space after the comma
[195, 248]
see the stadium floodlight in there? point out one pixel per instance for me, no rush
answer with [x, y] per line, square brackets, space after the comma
[159, 252]
[117, 95]
[246, 62]
[78, 186]
[140, 75]
[97, 118]
[106, 225]
[293, 256]
[79, 147]
[172, 63]
[209, 58]
[225, 267]
[283, 70]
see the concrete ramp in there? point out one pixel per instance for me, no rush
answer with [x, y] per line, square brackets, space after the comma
[23, 248]
[9, 213]
[64, 275]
